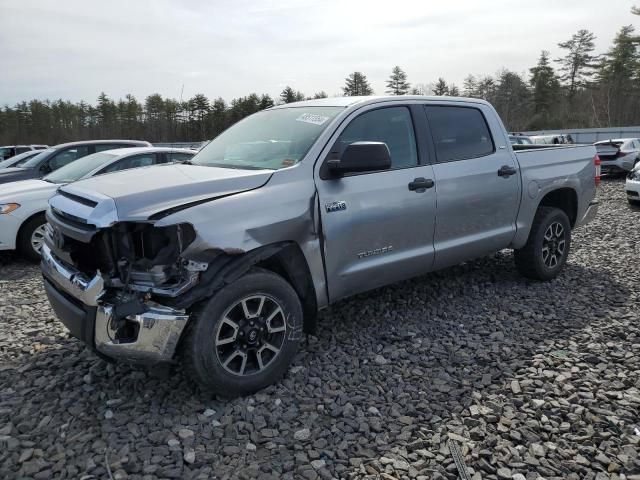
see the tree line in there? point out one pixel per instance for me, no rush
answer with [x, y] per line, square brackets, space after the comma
[580, 89]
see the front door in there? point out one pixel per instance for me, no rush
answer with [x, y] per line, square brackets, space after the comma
[477, 181]
[378, 226]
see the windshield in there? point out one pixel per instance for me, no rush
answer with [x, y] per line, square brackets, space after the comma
[7, 163]
[33, 162]
[19, 160]
[78, 169]
[270, 139]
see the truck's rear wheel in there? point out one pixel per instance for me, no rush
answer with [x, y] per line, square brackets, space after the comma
[245, 336]
[547, 247]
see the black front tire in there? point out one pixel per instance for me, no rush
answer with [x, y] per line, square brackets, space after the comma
[530, 259]
[24, 240]
[205, 359]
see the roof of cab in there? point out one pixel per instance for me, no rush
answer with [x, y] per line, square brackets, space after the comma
[365, 100]
[126, 152]
[140, 143]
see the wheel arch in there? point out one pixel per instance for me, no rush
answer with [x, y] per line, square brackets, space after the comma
[24, 223]
[283, 258]
[565, 199]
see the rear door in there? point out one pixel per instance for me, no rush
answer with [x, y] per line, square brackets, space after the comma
[477, 183]
[376, 228]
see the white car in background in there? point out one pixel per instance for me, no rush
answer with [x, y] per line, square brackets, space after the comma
[632, 187]
[618, 154]
[23, 203]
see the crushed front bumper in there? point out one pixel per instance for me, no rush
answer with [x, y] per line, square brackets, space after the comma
[77, 302]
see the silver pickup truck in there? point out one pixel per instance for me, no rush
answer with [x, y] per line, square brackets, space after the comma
[226, 260]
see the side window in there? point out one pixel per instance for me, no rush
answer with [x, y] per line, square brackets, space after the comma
[392, 126]
[136, 161]
[179, 157]
[459, 133]
[67, 156]
[22, 150]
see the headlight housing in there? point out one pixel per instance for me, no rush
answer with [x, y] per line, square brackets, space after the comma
[634, 175]
[8, 207]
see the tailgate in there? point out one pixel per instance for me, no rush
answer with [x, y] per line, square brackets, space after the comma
[607, 151]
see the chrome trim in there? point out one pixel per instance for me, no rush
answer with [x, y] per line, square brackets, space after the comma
[159, 330]
[590, 214]
[73, 282]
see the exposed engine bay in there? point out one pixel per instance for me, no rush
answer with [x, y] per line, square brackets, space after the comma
[137, 257]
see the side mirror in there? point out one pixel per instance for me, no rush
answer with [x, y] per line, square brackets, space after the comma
[361, 157]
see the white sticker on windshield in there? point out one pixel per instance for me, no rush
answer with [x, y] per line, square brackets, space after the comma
[312, 118]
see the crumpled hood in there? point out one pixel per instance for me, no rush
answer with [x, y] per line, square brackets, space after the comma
[139, 193]
[13, 174]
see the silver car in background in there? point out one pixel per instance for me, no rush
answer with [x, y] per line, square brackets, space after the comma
[619, 154]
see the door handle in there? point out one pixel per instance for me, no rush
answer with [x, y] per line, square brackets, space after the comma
[420, 184]
[506, 171]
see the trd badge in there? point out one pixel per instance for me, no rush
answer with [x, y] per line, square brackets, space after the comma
[335, 206]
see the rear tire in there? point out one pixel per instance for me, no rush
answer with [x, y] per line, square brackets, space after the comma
[31, 237]
[547, 247]
[244, 337]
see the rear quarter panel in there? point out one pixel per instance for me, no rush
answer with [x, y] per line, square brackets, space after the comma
[548, 169]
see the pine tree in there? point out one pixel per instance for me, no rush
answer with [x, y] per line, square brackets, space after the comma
[320, 94]
[546, 87]
[453, 91]
[618, 78]
[289, 95]
[397, 83]
[577, 65]
[356, 84]
[441, 87]
[621, 61]
[266, 102]
[470, 85]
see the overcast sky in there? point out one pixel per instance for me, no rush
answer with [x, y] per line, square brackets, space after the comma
[74, 49]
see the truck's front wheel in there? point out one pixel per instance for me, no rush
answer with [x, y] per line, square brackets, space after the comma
[547, 247]
[245, 336]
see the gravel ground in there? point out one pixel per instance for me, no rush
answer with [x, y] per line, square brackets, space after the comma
[529, 380]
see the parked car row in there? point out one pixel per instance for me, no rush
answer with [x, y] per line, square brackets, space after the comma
[23, 202]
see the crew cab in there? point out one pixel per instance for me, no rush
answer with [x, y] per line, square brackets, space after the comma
[228, 258]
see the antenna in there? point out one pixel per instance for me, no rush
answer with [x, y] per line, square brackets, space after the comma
[181, 92]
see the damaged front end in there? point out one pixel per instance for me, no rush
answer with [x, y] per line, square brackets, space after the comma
[120, 288]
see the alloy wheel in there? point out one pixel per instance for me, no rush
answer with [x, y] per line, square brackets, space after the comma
[553, 245]
[37, 238]
[251, 335]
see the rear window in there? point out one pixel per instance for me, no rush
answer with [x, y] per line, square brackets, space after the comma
[459, 133]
